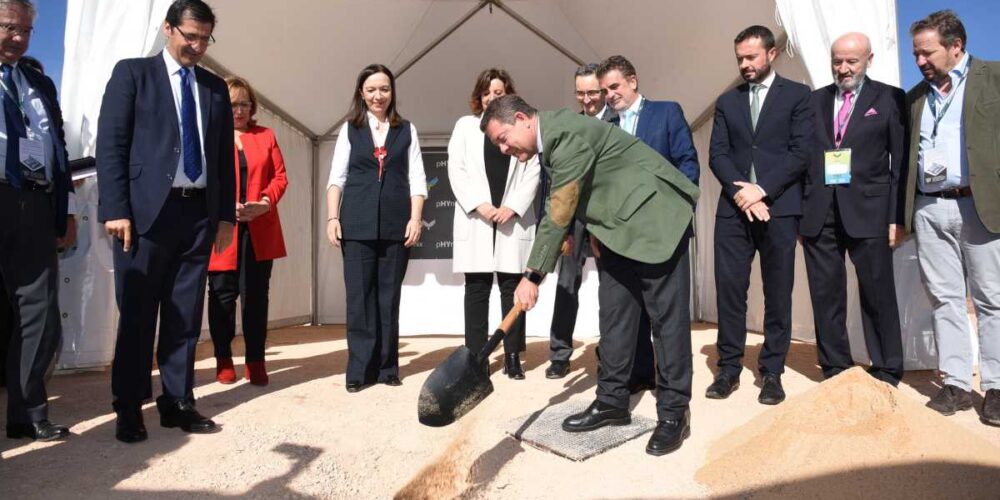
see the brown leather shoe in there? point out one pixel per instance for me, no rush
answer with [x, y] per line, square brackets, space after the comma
[950, 399]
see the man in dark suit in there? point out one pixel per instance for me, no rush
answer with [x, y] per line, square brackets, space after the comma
[166, 183]
[34, 221]
[637, 207]
[951, 204]
[591, 98]
[661, 126]
[760, 145]
[850, 205]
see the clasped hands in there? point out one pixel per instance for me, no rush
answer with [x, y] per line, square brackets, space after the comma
[750, 199]
[246, 212]
[500, 215]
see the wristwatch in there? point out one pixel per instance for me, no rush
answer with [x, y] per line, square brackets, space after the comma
[534, 276]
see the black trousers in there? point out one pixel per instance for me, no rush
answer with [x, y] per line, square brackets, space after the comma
[627, 287]
[567, 305]
[827, 274]
[30, 272]
[477, 311]
[162, 276]
[736, 242]
[373, 278]
[6, 327]
[251, 283]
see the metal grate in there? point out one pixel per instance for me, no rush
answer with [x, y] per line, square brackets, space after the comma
[543, 430]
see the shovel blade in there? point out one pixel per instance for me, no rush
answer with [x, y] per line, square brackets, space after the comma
[453, 389]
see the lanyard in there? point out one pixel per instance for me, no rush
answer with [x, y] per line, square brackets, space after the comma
[17, 100]
[932, 100]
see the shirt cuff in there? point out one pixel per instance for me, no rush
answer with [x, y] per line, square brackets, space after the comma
[762, 192]
[71, 207]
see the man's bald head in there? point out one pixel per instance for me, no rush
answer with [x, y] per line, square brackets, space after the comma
[850, 56]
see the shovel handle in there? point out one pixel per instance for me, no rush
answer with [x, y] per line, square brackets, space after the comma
[500, 333]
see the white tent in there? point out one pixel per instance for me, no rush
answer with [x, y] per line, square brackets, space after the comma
[302, 57]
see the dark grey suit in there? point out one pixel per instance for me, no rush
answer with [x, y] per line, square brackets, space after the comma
[567, 301]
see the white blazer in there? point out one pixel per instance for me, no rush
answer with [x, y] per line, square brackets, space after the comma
[473, 250]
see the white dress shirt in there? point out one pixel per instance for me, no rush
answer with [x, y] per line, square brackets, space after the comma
[174, 73]
[342, 156]
[600, 114]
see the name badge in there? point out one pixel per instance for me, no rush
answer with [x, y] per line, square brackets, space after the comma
[837, 166]
[935, 165]
[32, 156]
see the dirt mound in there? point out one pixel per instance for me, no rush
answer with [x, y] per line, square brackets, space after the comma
[852, 435]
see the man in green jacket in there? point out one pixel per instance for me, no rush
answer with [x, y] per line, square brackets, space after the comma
[638, 207]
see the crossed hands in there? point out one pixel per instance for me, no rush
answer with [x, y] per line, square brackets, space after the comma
[246, 212]
[500, 215]
[750, 199]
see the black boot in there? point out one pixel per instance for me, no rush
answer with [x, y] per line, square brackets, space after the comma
[512, 366]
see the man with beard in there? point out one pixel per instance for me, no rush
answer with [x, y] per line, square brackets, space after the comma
[951, 202]
[760, 145]
[850, 205]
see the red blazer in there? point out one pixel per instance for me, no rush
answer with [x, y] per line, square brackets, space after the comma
[265, 177]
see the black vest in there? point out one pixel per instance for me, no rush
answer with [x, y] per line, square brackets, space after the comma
[373, 210]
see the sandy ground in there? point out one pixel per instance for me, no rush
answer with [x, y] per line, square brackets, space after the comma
[304, 436]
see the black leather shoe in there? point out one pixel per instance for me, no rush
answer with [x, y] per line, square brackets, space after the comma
[597, 415]
[512, 366]
[669, 435]
[991, 408]
[557, 369]
[771, 392]
[637, 386]
[183, 414]
[950, 399]
[392, 380]
[355, 386]
[129, 427]
[39, 431]
[722, 387]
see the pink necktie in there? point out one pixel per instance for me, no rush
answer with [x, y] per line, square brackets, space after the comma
[842, 117]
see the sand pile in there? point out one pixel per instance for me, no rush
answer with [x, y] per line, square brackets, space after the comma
[852, 435]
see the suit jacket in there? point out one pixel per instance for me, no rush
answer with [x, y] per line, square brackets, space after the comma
[779, 148]
[876, 135]
[610, 115]
[981, 126]
[62, 181]
[265, 177]
[631, 198]
[662, 127]
[139, 143]
[475, 250]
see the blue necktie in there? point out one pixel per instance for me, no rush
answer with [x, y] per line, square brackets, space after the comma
[189, 129]
[15, 127]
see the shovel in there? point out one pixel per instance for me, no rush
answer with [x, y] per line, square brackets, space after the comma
[458, 384]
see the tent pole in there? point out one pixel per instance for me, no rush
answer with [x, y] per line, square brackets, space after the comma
[538, 32]
[315, 238]
[420, 55]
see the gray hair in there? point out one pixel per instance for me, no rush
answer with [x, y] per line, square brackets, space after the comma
[503, 109]
[586, 70]
[26, 4]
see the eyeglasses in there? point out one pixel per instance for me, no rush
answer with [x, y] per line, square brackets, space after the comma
[242, 105]
[189, 38]
[593, 94]
[13, 29]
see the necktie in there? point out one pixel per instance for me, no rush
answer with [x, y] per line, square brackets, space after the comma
[843, 116]
[754, 113]
[189, 129]
[627, 118]
[543, 187]
[15, 127]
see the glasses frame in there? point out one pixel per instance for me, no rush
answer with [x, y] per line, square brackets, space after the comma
[191, 39]
[14, 30]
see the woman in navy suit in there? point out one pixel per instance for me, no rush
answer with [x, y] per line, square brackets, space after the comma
[375, 197]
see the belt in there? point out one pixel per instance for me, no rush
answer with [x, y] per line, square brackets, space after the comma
[187, 192]
[27, 185]
[950, 194]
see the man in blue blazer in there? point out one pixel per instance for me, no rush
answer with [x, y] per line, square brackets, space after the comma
[34, 194]
[760, 146]
[166, 181]
[661, 125]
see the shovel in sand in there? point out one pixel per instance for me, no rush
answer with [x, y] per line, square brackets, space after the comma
[459, 384]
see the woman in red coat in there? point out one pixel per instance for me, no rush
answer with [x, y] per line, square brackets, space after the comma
[244, 269]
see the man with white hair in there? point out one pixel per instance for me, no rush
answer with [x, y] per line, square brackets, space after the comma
[851, 204]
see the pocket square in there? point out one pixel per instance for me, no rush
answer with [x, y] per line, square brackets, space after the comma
[870, 112]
